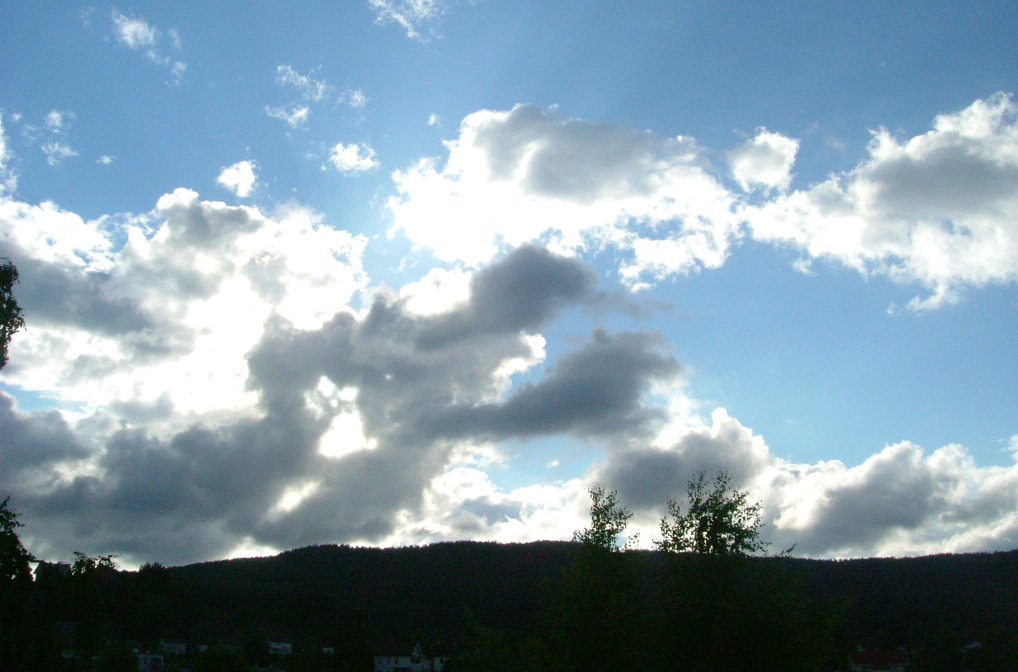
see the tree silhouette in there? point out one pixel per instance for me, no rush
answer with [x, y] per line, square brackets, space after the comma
[11, 319]
[718, 521]
[14, 557]
[608, 520]
[15, 584]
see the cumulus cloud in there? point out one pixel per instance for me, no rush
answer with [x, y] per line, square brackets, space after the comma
[899, 501]
[239, 178]
[353, 158]
[935, 209]
[137, 34]
[530, 174]
[765, 161]
[180, 301]
[231, 375]
[217, 363]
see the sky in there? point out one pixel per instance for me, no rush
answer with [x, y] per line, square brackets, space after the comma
[393, 272]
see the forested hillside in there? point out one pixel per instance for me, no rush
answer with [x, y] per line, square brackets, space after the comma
[545, 602]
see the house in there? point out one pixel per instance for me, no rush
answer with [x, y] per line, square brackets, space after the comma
[878, 661]
[415, 662]
[172, 648]
[280, 648]
[150, 662]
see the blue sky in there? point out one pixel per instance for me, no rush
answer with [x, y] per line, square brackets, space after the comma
[391, 272]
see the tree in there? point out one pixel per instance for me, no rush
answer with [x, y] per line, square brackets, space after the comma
[85, 565]
[595, 618]
[14, 558]
[718, 522]
[15, 585]
[608, 520]
[11, 319]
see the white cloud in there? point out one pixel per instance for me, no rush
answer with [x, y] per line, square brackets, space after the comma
[531, 174]
[936, 209]
[412, 15]
[311, 90]
[57, 151]
[133, 32]
[353, 158]
[899, 501]
[434, 120]
[239, 178]
[295, 116]
[58, 122]
[106, 159]
[355, 98]
[765, 161]
[188, 293]
[8, 178]
[138, 35]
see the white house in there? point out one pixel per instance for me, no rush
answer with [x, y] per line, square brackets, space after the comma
[150, 662]
[172, 648]
[280, 648]
[415, 662]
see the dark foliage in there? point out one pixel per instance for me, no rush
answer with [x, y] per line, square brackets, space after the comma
[11, 318]
[554, 605]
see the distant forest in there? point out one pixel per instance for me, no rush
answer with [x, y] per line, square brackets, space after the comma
[534, 606]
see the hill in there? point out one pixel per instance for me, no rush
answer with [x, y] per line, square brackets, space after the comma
[544, 595]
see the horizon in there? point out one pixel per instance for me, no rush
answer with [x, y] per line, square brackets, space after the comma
[395, 273]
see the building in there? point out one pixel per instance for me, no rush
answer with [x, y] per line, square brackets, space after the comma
[172, 648]
[416, 661]
[150, 662]
[878, 661]
[280, 648]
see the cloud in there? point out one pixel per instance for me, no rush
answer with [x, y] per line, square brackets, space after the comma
[899, 501]
[936, 209]
[211, 385]
[412, 15]
[354, 158]
[311, 91]
[138, 35]
[764, 161]
[294, 116]
[134, 33]
[185, 296]
[230, 374]
[8, 176]
[530, 174]
[57, 124]
[355, 98]
[239, 178]
[932, 210]
[57, 152]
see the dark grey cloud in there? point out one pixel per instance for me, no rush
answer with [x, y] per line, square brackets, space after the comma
[895, 490]
[520, 292]
[594, 391]
[424, 384]
[33, 441]
[49, 293]
[647, 476]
